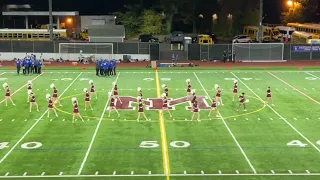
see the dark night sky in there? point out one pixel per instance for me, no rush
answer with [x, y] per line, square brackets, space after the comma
[272, 7]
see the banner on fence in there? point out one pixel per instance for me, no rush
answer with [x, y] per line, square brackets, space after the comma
[305, 48]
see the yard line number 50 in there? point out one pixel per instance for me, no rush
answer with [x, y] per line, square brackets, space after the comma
[27, 145]
[155, 144]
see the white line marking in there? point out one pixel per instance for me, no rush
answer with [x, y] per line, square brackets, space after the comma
[202, 172]
[247, 119]
[226, 125]
[2, 73]
[63, 119]
[13, 119]
[259, 119]
[26, 120]
[0, 119]
[313, 75]
[272, 171]
[237, 172]
[95, 132]
[307, 118]
[25, 173]
[220, 172]
[279, 115]
[290, 171]
[234, 119]
[308, 171]
[50, 119]
[271, 119]
[114, 173]
[43, 173]
[295, 88]
[61, 173]
[184, 172]
[6, 174]
[30, 129]
[132, 172]
[97, 173]
[149, 172]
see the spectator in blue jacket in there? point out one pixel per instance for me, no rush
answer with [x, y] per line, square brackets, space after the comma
[27, 65]
[105, 67]
[39, 65]
[114, 63]
[101, 67]
[109, 68]
[32, 62]
[24, 62]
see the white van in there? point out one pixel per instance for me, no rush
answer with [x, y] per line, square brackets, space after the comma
[286, 31]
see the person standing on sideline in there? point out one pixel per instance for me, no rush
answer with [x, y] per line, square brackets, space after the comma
[35, 64]
[225, 56]
[32, 64]
[101, 67]
[110, 68]
[39, 66]
[24, 62]
[114, 67]
[234, 56]
[27, 65]
[97, 68]
[105, 67]
[173, 58]
[18, 64]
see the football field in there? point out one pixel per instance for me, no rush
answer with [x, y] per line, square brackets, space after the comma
[280, 142]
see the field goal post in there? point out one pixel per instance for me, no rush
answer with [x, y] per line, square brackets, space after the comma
[86, 51]
[258, 52]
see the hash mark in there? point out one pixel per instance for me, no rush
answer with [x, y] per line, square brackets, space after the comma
[43, 173]
[271, 119]
[247, 119]
[60, 174]
[259, 119]
[202, 172]
[13, 119]
[272, 171]
[185, 119]
[132, 172]
[237, 171]
[0, 119]
[63, 119]
[220, 172]
[25, 173]
[308, 171]
[50, 119]
[114, 173]
[96, 173]
[149, 172]
[26, 120]
[234, 119]
[290, 171]
[307, 118]
[88, 119]
[6, 174]
[112, 119]
[295, 118]
[184, 172]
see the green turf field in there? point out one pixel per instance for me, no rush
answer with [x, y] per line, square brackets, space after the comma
[280, 142]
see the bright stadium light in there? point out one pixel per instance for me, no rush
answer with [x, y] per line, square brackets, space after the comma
[290, 3]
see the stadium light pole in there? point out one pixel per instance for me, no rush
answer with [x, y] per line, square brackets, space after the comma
[50, 20]
[260, 21]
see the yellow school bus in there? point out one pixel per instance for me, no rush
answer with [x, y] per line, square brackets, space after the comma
[205, 39]
[300, 37]
[31, 34]
[269, 33]
[307, 27]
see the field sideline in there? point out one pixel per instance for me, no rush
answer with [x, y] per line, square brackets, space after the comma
[266, 142]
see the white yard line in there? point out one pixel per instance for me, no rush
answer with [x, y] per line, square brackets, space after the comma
[226, 125]
[313, 75]
[157, 175]
[30, 129]
[293, 88]
[280, 116]
[2, 73]
[95, 132]
[23, 86]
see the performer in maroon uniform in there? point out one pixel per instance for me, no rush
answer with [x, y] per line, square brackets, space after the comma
[50, 105]
[92, 89]
[194, 96]
[218, 95]
[55, 97]
[113, 104]
[188, 87]
[29, 90]
[87, 99]
[165, 104]
[214, 107]
[76, 110]
[141, 111]
[242, 101]
[33, 101]
[235, 89]
[8, 94]
[115, 92]
[269, 97]
[195, 110]
[166, 90]
[140, 92]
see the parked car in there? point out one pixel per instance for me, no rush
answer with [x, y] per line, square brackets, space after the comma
[242, 39]
[148, 38]
[175, 37]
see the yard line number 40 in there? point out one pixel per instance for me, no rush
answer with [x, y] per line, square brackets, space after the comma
[27, 145]
[299, 143]
[155, 144]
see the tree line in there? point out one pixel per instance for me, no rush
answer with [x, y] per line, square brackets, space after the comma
[229, 20]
